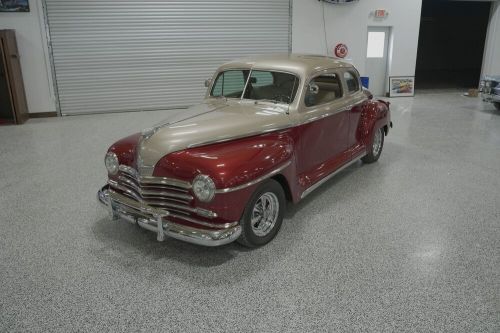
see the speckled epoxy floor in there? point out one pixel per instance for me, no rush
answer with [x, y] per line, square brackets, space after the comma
[411, 243]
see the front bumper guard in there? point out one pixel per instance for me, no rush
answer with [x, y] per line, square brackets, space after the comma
[156, 220]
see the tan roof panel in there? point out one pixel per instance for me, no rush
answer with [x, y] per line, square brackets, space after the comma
[303, 64]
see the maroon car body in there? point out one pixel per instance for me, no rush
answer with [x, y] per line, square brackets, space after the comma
[316, 142]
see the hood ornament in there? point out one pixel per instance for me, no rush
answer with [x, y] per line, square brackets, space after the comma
[144, 170]
[148, 132]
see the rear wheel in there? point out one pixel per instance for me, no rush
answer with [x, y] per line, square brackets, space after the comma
[263, 215]
[373, 152]
[497, 105]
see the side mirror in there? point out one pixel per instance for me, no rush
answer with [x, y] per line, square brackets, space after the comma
[313, 88]
[208, 82]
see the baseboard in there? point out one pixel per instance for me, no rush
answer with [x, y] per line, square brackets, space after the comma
[42, 114]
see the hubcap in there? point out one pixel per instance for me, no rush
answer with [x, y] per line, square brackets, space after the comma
[377, 142]
[265, 214]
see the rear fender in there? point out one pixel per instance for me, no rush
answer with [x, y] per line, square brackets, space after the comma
[375, 114]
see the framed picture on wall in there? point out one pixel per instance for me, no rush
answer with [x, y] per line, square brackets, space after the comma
[401, 86]
[14, 6]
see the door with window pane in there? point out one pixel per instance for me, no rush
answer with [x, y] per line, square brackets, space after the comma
[322, 144]
[376, 59]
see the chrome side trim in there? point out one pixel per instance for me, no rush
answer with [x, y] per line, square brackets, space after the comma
[326, 178]
[322, 116]
[155, 180]
[328, 114]
[255, 181]
[225, 139]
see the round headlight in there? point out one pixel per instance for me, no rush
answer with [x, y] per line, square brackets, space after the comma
[204, 188]
[111, 162]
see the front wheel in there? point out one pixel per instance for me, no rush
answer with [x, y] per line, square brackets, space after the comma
[497, 105]
[263, 215]
[373, 152]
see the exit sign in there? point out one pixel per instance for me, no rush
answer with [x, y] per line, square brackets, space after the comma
[380, 13]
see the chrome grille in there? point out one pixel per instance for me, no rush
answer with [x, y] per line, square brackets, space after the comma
[159, 192]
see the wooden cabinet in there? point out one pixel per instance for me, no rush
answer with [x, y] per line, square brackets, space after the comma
[13, 96]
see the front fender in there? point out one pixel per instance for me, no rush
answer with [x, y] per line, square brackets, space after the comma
[125, 150]
[230, 164]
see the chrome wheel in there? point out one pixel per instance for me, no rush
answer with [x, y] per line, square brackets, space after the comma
[265, 214]
[377, 142]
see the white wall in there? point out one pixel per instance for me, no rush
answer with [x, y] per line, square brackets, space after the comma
[491, 60]
[32, 44]
[348, 24]
[344, 23]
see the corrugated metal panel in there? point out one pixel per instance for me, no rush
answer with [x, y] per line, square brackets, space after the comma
[139, 55]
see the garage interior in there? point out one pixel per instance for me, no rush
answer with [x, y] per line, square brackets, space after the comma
[409, 243]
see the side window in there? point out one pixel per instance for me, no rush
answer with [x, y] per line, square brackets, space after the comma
[323, 89]
[352, 82]
[230, 83]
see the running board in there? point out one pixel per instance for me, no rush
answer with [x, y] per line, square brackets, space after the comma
[327, 178]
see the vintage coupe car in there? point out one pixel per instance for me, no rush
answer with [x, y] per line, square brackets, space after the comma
[490, 90]
[271, 129]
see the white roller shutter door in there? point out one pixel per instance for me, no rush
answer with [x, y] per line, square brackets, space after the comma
[129, 55]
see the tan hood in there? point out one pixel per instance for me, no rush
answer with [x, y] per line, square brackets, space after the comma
[211, 121]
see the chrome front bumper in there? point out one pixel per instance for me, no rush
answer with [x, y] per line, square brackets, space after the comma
[156, 220]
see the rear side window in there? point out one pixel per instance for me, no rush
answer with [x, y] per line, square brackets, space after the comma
[352, 82]
[323, 89]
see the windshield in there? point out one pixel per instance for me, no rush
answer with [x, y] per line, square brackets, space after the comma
[263, 85]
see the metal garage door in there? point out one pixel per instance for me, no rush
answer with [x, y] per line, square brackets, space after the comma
[128, 55]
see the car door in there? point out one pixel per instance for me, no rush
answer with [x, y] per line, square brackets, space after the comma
[324, 129]
[355, 101]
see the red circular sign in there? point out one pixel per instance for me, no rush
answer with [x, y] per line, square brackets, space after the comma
[341, 50]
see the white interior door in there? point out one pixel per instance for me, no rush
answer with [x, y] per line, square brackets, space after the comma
[376, 59]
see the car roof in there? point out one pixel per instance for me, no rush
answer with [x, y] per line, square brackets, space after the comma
[302, 64]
